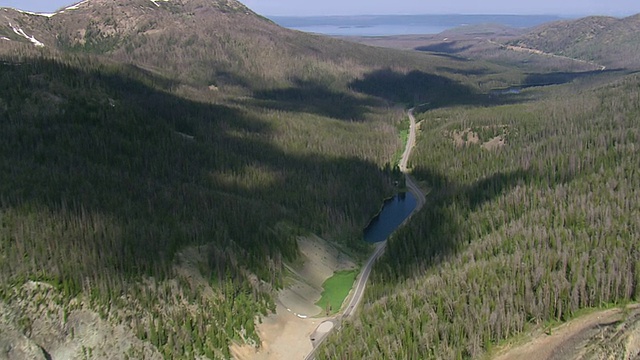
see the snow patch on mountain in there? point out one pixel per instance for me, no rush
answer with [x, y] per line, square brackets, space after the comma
[24, 35]
[6, 9]
[155, 2]
[36, 14]
[75, 6]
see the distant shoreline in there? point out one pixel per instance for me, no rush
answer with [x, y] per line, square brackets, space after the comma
[388, 25]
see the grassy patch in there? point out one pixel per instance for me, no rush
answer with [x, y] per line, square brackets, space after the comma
[336, 289]
[403, 133]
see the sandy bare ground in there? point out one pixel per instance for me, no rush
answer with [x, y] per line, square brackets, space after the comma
[286, 334]
[495, 143]
[465, 138]
[609, 334]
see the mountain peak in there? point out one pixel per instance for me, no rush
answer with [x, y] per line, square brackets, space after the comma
[187, 4]
[158, 34]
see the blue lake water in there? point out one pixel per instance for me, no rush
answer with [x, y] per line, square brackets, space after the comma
[385, 25]
[377, 30]
[394, 212]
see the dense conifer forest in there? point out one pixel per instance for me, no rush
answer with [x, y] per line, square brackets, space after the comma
[159, 173]
[514, 235]
[106, 177]
[113, 175]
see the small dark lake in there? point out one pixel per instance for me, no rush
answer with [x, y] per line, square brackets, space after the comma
[393, 213]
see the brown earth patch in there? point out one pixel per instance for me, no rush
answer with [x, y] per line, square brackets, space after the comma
[468, 137]
[608, 334]
[286, 334]
[495, 143]
[462, 138]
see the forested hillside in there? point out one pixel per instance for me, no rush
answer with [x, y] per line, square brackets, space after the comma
[204, 43]
[159, 160]
[608, 41]
[105, 179]
[533, 213]
[161, 182]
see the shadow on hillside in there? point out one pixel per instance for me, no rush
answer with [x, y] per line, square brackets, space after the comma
[466, 72]
[417, 87]
[413, 88]
[314, 98]
[558, 78]
[438, 230]
[136, 174]
[447, 47]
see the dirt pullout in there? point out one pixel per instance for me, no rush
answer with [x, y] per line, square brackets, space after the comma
[465, 138]
[285, 334]
[609, 334]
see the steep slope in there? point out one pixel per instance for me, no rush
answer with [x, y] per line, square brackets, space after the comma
[180, 37]
[159, 159]
[513, 237]
[608, 41]
[213, 42]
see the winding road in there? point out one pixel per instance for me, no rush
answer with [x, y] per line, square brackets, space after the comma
[327, 326]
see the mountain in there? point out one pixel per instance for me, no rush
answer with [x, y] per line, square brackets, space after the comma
[532, 220]
[159, 160]
[609, 41]
[223, 47]
[205, 42]
[586, 44]
[177, 37]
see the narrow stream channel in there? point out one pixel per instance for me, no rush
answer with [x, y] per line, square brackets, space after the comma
[394, 212]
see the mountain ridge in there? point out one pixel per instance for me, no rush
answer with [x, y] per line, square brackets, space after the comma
[126, 30]
[606, 40]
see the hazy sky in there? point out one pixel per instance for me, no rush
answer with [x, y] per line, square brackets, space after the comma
[378, 7]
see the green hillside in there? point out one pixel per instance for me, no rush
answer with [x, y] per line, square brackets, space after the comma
[105, 179]
[158, 163]
[611, 42]
[513, 235]
[162, 182]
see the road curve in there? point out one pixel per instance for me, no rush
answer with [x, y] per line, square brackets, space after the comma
[318, 337]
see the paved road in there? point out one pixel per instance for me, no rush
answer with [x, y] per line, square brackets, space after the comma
[411, 183]
[319, 336]
[362, 281]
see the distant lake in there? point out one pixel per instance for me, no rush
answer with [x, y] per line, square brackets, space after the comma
[386, 25]
[376, 30]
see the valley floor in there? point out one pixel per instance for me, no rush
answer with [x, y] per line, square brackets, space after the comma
[286, 334]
